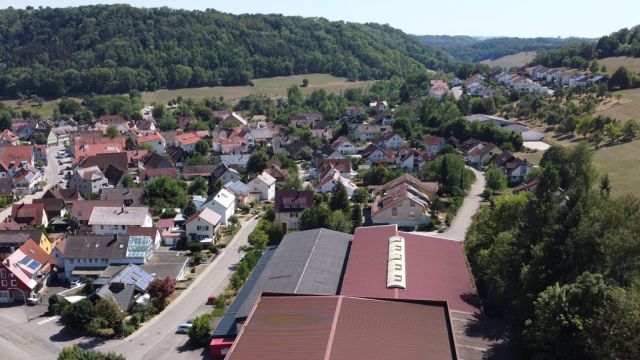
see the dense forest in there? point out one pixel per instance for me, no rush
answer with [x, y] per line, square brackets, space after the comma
[561, 262]
[467, 48]
[116, 48]
[624, 42]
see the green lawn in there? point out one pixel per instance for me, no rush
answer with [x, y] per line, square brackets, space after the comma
[621, 163]
[273, 87]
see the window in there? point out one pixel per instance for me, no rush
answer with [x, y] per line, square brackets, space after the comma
[3, 273]
[412, 203]
[394, 212]
[4, 283]
[14, 283]
[412, 213]
[123, 227]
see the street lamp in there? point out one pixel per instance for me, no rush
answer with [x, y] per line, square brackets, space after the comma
[26, 314]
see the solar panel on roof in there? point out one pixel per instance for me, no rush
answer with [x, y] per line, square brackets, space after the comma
[25, 260]
[34, 265]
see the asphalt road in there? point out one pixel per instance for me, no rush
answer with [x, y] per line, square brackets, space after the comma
[470, 206]
[42, 337]
[50, 176]
[157, 338]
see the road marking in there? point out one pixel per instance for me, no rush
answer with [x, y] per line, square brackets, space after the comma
[41, 322]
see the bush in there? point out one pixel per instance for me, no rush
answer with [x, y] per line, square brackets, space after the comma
[135, 320]
[487, 194]
[200, 330]
[79, 315]
[195, 247]
[122, 329]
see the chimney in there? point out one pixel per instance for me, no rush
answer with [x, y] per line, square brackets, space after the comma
[122, 209]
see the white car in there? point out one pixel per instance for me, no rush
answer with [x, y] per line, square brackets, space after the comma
[184, 328]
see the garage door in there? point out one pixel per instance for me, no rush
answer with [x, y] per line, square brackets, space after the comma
[4, 297]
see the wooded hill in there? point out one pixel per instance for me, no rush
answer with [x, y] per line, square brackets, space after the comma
[624, 42]
[467, 48]
[116, 48]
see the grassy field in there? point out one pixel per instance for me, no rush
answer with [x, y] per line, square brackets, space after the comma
[613, 63]
[273, 87]
[46, 110]
[620, 162]
[519, 59]
[627, 108]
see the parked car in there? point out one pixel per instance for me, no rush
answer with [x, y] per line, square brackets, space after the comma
[211, 299]
[184, 328]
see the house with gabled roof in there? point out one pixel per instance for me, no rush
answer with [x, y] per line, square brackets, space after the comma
[404, 201]
[187, 141]
[390, 140]
[203, 224]
[277, 173]
[13, 158]
[344, 146]
[23, 272]
[331, 179]
[374, 155]
[88, 180]
[481, 153]
[225, 173]
[379, 106]
[241, 191]
[413, 160]
[515, 169]
[29, 215]
[434, 144]
[147, 175]
[289, 204]
[223, 203]
[366, 132]
[155, 139]
[117, 220]
[8, 137]
[263, 186]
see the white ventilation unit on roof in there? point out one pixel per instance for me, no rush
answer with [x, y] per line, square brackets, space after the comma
[396, 271]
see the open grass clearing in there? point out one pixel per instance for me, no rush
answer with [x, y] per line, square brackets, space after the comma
[508, 61]
[273, 87]
[627, 108]
[614, 62]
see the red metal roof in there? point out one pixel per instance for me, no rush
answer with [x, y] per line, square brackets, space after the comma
[342, 328]
[436, 269]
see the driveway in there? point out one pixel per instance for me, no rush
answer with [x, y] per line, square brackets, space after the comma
[470, 206]
[43, 337]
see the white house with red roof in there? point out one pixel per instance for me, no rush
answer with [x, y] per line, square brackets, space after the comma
[22, 271]
[157, 142]
[263, 186]
[329, 182]
[187, 141]
[344, 146]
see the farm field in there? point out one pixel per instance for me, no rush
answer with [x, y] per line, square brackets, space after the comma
[273, 87]
[614, 62]
[519, 59]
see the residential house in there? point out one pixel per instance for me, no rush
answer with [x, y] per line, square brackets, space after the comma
[117, 220]
[326, 134]
[54, 208]
[26, 179]
[11, 240]
[88, 180]
[374, 155]
[24, 272]
[151, 232]
[225, 174]
[390, 141]
[515, 169]
[6, 186]
[331, 179]
[80, 211]
[305, 119]
[236, 161]
[8, 137]
[68, 195]
[13, 158]
[355, 111]
[379, 106]
[344, 146]
[40, 153]
[155, 161]
[157, 142]
[289, 204]
[413, 160]
[434, 144]
[191, 172]
[176, 154]
[187, 141]
[123, 284]
[242, 192]
[223, 203]
[88, 255]
[277, 173]
[342, 165]
[438, 89]
[263, 186]
[85, 146]
[29, 215]
[134, 157]
[239, 120]
[126, 196]
[59, 136]
[185, 121]
[147, 175]
[481, 153]
[404, 201]
[203, 225]
[383, 119]
[366, 132]
[113, 166]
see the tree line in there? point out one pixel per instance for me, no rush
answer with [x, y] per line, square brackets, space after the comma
[103, 49]
[560, 262]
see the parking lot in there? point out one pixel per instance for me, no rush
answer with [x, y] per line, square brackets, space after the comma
[63, 157]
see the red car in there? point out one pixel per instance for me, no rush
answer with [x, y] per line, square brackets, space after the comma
[211, 299]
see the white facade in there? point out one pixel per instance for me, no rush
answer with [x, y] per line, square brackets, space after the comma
[224, 204]
[204, 226]
[263, 185]
[347, 148]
